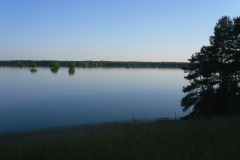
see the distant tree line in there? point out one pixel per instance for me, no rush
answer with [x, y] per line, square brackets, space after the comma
[91, 64]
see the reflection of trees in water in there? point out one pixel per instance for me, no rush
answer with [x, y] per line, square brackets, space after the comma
[54, 70]
[33, 70]
[71, 71]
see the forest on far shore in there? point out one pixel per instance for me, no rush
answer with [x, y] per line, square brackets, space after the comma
[86, 64]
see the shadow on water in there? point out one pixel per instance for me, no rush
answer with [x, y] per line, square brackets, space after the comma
[54, 71]
[33, 70]
[71, 72]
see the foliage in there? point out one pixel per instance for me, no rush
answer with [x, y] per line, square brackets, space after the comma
[71, 66]
[20, 64]
[105, 64]
[55, 65]
[127, 65]
[214, 73]
[215, 138]
[85, 64]
[33, 65]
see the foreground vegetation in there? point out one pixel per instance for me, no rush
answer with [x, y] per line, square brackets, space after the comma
[216, 138]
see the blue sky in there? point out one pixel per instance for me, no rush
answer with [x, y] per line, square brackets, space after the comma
[115, 30]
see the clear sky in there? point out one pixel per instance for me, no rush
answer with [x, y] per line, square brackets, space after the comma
[115, 30]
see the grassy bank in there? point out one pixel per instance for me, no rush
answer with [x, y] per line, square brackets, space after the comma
[217, 138]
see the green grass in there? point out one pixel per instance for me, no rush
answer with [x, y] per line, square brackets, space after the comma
[217, 138]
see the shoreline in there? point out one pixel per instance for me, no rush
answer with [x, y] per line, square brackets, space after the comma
[214, 138]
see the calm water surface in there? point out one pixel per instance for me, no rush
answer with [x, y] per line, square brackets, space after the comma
[35, 100]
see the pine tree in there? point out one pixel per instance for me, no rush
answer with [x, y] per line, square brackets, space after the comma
[213, 73]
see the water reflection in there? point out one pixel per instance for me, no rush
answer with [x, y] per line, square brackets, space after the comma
[54, 70]
[33, 70]
[92, 95]
[71, 71]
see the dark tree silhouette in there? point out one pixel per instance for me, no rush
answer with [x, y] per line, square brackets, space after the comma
[213, 73]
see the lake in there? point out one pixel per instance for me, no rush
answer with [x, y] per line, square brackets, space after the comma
[40, 99]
